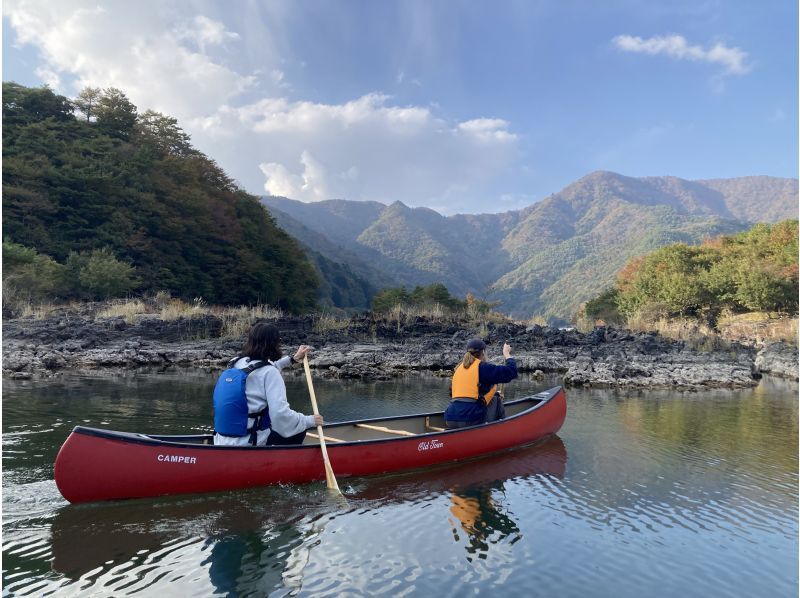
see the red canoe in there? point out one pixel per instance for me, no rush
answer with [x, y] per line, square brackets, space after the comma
[95, 465]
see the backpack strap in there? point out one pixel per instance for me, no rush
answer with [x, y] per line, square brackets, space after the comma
[254, 431]
[254, 365]
[257, 417]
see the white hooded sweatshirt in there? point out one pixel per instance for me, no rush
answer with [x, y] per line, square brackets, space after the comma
[265, 388]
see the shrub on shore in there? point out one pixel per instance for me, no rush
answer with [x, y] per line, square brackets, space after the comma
[691, 291]
[435, 303]
[30, 277]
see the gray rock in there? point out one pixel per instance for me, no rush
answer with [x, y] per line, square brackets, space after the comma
[370, 349]
[53, 361]
[778, 359]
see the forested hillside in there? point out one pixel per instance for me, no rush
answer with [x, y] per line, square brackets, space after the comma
[554, 255]
[95, 179]
[346, 280]
[593, 228]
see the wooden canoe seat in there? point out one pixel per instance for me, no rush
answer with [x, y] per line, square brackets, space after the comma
[428, 426]
[388, 430]
[327, 438]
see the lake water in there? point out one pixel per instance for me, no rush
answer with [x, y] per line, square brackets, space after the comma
[640, 494]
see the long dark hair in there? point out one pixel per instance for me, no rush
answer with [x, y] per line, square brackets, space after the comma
[263, 342]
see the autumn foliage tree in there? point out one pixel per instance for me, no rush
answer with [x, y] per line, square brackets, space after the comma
[755, 270]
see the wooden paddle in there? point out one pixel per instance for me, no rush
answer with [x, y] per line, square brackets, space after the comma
[331, 479]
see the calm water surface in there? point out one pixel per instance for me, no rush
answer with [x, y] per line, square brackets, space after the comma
[641, 494]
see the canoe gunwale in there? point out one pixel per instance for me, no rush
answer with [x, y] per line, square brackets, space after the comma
[158, 440]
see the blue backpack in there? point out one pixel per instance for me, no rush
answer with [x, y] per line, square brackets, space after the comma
[230, 403]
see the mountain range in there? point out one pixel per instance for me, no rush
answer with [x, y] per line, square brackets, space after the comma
[545, 259]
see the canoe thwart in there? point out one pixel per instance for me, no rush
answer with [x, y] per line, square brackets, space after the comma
[327, 438]
[428, 426]
[388, 430]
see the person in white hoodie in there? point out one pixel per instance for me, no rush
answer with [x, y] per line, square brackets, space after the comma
[270, 420]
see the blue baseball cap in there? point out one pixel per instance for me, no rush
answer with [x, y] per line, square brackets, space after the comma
[475, 345]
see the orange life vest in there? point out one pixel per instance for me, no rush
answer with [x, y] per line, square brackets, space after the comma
[465, 383]
[467, 510]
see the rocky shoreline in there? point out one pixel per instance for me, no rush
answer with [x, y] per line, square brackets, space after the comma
[369, 349]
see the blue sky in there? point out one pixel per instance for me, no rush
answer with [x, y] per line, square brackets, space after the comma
[459, 106]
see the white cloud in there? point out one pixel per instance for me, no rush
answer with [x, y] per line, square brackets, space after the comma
[168, 58]
[367, 149]
[142, 51]
[487, 129]
[311, 184]
[733, 60]
[279, 78]
[205, 32]
[48, 77]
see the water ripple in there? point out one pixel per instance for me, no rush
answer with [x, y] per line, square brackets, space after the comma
[637, 487]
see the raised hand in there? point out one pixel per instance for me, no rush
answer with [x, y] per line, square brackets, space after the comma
[302, 352]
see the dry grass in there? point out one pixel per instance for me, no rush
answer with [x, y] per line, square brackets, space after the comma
[751, 328]
[38, 311]
[538, 320]
[236, 321]
[403, 314]
[434, 311]
[24, 303]
[694, 333]
[127, 309]
[165, 308]
[328, 323]
[441, 314]
[759, 327]
[682, 329]
[234, 326]
[175, 309]
[252, 312]
[494, 317]
[584, 324]
[161, 298]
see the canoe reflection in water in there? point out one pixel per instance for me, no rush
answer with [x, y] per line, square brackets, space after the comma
[240, 538]
[481, 518]
[477, 508]
[475, 489]
[260, 540]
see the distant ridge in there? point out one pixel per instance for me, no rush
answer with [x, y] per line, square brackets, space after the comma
[548, 257]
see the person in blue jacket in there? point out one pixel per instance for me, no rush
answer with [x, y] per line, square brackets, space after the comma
[474, 396]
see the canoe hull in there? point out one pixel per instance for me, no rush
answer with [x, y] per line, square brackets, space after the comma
[95, 465]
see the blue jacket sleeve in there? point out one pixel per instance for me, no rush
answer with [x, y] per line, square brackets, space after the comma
[489, 373]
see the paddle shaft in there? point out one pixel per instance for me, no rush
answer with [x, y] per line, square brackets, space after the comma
[329, 477]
